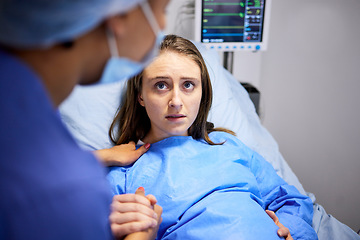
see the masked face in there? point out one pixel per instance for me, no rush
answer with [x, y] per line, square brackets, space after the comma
[171, 94]
[121, 68]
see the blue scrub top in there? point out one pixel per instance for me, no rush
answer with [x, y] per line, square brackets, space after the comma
[49, 188]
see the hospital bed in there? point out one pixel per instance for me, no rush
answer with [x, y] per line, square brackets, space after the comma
[89, 111]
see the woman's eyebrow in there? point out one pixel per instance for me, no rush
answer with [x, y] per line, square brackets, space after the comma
[190, 78]
[159, 78]
[164, 77]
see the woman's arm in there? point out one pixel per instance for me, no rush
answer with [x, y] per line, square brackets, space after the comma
[121, 155]
[293, 209]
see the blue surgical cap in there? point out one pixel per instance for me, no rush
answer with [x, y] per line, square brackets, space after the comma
[43, 23]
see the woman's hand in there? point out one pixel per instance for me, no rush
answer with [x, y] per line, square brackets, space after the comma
[150, 233]
[121, 155]
[131, 213]
[283, 231]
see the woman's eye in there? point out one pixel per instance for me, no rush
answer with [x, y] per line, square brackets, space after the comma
[188, 85]
[160, 85]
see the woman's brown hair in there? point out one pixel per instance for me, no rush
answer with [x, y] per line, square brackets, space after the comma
[132, 120]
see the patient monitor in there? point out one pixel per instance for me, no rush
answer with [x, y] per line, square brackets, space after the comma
[232, 25]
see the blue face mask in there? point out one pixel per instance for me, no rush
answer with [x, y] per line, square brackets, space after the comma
[120, 68]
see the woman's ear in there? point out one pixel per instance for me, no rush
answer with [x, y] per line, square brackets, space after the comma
[141, 100]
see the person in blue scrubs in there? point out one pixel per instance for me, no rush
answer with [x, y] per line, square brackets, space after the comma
[210, 185]
[49, 187]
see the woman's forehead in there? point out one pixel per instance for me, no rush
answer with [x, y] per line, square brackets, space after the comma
[170, 62]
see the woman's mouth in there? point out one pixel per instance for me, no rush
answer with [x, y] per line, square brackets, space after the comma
[175, 117]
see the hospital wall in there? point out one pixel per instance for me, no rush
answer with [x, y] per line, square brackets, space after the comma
[310, 86]
[310, 93]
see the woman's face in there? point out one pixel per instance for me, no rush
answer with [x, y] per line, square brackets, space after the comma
[171, 94]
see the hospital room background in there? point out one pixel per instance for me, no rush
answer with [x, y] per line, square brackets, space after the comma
[309, 85]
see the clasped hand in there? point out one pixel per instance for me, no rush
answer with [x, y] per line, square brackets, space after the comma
[135, 216]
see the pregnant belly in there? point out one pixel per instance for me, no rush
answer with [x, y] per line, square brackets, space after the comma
[224, 215]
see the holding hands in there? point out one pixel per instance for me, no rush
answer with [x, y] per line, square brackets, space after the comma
[135, 216]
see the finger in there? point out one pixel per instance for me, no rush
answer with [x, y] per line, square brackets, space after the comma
[131, 198]
[283, 232]
[273, 216]
[158, 210]
[133, 208]
[122, 218]
[289, 237]
[132, 144]
[143, 149]
[128, 228]
[140, 191]
[152, 199]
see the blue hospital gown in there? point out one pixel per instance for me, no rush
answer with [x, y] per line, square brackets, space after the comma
[215, 192]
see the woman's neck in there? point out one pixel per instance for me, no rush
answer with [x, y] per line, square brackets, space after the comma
[153, 137]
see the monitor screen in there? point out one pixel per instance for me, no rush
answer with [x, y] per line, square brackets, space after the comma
[231, 25]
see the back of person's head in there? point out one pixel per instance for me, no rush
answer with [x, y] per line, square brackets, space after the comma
[26, 24]
[132, 120]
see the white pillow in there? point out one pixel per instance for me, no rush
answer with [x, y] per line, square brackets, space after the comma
[89, 111]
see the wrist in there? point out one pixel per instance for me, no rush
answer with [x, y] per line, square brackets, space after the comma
[103, 155]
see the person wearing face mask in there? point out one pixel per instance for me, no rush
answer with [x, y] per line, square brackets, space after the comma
[50, 188]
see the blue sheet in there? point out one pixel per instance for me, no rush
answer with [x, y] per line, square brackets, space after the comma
[215, 192]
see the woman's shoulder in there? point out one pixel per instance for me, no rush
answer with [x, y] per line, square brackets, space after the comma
[232, 141]
[226, 138]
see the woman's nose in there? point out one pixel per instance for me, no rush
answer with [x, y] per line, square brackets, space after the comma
[175, 101]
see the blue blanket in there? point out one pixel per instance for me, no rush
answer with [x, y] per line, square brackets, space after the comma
[215, 192]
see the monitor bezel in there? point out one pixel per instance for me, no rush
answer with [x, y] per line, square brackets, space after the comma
[235, 46]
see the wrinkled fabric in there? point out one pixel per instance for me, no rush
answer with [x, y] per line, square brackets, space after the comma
[215, 192]
[329, 228]
[49, 188]
[43, 23]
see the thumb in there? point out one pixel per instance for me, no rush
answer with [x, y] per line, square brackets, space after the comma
[143, 149]
[140, 191]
